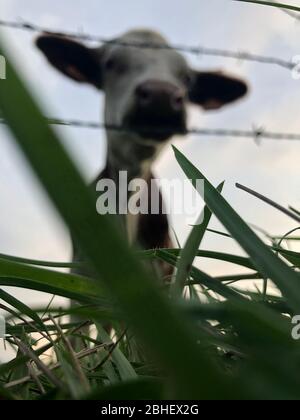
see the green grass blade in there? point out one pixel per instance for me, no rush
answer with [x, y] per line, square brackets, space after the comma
[124, 367]
[142, 389]
[215, 255]
[189, 251]
[53, 282]
[40, 263]
[21, 307]
[291, 256]
[294, 210]
[272, 4]
[265, 261]
[5, 395]
[202, 278]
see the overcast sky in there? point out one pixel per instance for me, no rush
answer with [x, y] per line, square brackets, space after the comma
[29, 226]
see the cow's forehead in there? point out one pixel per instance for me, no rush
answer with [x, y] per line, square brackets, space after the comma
[143, 36]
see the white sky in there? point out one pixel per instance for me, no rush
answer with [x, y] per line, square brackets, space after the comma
[29, 226]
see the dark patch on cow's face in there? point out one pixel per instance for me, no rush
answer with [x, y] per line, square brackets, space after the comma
[155, 124]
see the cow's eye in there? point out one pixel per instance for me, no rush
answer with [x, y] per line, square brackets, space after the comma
[187, 78]
[116, 65]
[110, 64]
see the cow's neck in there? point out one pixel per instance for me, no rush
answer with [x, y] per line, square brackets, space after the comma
[129, 154]
[136, 159]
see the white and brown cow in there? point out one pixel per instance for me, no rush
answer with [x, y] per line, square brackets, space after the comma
[147, 92]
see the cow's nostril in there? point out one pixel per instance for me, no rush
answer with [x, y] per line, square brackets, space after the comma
[144, 96]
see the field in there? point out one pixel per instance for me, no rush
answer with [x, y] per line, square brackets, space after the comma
[200, 337]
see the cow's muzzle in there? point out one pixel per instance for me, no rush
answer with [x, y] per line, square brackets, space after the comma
[159, 110]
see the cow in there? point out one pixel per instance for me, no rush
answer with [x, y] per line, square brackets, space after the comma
[148, 87]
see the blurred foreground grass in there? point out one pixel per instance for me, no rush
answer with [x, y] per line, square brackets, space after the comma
[199, 338]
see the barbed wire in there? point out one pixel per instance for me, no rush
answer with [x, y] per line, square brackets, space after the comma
[195, 50]
[256, 133]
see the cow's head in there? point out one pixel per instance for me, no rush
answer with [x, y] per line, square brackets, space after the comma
[147, 90]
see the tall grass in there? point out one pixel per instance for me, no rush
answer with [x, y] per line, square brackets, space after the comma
[214, 342]
[273, 4]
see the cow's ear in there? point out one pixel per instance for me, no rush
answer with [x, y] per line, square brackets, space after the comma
[73, 59]
[212, 90]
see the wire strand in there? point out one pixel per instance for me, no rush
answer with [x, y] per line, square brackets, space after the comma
[196, 50]
[257, 134]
